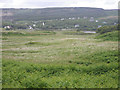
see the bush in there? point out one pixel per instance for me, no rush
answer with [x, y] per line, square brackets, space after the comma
[110, 36]
[106, 29]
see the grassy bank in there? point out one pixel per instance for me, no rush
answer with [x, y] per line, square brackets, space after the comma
[109, 36]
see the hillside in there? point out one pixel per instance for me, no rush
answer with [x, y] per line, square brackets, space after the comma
[110, 36]
[81, 18]
[55, 13]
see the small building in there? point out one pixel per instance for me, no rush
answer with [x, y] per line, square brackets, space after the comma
[99, 26]
[73, 18]
[34, 25]
[115, 23]
[96, 21]
[76, 25]
[104, 22]
[78, 17]
[7, 27]
[91, 19]
[30, 27]
[35, 22]
[84, 17]
[62, 19]
[43, 23]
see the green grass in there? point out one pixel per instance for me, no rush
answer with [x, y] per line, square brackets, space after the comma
[110, 36]
[29, 33]
[58, 61]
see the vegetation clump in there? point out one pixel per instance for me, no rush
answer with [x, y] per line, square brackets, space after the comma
[108, 33]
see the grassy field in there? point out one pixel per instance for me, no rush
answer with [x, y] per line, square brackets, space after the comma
[39, 59]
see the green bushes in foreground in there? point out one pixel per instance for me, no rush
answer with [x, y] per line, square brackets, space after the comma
[96, 75]
[38, 76]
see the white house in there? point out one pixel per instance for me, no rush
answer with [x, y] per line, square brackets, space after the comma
[115, 23]
[104, 22]
[96, 21]
[62, 19]
[78, 17]
[76, 25]
[43, 24]
[99, 26]
[91, 19]
[7, 27]
[73, 18]
[34, 25]
[84, 17]
[30, 27]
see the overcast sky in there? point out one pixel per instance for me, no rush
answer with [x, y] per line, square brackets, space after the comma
[106, 4]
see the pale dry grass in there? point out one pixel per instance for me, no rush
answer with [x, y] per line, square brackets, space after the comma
[64, 50]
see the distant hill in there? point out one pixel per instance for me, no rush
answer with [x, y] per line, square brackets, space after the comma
[55, 13]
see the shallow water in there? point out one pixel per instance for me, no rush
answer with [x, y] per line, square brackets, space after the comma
[89, 31]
